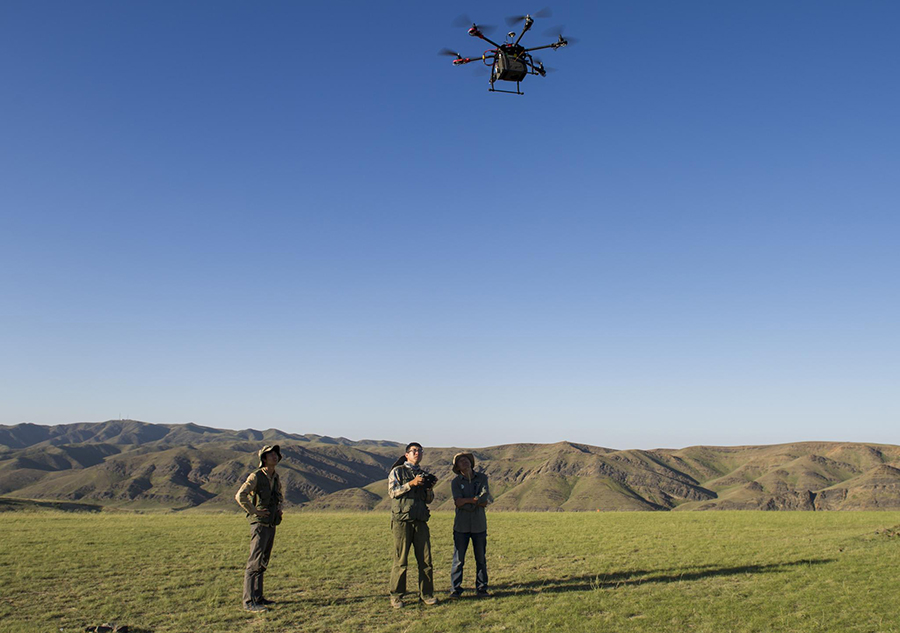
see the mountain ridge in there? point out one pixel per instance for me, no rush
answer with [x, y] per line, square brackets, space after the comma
[138, 465]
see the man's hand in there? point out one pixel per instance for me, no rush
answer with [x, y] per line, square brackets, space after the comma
[418, 481]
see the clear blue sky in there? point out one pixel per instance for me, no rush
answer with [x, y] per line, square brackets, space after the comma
[297, 215]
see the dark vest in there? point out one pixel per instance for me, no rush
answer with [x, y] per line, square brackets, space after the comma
[410, 506]
[264, 498]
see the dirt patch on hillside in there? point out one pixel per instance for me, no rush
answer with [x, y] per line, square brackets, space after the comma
[891, 532]
[8, 504]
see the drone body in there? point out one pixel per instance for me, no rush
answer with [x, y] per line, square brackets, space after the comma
[510, 61]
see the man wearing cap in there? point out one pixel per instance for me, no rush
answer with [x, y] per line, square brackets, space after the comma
[470, 494]
[262, 498]
[410, 495]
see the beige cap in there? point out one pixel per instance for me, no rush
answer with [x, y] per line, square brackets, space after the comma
[456, 458]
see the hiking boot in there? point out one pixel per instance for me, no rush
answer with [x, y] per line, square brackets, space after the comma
[396, 602]
[483, 593]
[455, 595]
[265, 602]
[255, 607]
[430, 601]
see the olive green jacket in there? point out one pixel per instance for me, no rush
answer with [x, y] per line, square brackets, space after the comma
[261, 493]
[408, 503]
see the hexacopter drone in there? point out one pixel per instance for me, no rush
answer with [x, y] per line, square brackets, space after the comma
[509, 61]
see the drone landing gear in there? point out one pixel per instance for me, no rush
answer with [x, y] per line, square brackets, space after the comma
[517, 91]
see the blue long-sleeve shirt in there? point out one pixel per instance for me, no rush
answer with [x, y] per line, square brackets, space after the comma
[470, 517]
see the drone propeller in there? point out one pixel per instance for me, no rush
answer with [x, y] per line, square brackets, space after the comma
[557, 32]
[464, 20]
[458, 60]
[542, 70]
[477, 70]
[543, 13]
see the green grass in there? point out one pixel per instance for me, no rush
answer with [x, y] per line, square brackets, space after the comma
[705, 572]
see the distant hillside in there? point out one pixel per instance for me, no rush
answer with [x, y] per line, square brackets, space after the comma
[132, 432]
[137, 465]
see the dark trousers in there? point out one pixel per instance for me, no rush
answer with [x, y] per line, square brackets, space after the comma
[261, 539]
[415, 534]
[460, 544]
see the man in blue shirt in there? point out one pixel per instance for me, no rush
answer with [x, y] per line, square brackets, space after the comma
[471, 495]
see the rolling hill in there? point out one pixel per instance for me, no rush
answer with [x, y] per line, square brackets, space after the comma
[137, 465]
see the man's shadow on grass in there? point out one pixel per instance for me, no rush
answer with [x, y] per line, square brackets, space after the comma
[592, 582]
[641, 576]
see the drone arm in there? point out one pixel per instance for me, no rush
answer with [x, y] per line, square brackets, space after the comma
[536, 68]
[528, 23]
[537, 48]
[494, 44]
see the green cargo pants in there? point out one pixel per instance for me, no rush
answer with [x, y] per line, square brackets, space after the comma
[415, 534]
[261, 539]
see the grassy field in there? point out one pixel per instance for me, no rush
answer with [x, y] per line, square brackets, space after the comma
[712, 572]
